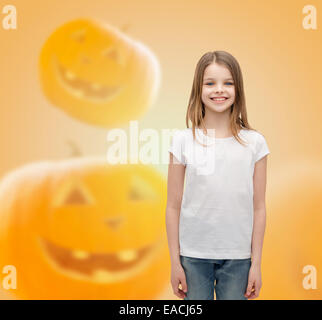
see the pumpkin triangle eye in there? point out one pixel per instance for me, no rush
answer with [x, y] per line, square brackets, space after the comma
[72, 193]
[76, 196]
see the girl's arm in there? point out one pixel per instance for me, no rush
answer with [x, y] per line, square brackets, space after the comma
[176, 173]
[259, 221]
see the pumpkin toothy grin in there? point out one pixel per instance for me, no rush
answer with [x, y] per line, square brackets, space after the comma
[101, 267]
[82, 88]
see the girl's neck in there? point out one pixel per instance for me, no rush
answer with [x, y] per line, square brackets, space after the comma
[220, 122]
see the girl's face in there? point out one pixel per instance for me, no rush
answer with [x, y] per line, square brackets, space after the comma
[217, 82]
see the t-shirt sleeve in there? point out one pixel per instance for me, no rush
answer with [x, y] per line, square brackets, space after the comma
[176, 146]
[261, 148]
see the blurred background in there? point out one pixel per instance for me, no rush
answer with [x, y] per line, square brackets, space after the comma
[54, 123]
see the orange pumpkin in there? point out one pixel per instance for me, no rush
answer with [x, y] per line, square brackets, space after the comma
[97, 74]
[82, 229]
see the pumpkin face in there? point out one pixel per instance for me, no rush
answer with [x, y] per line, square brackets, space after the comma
[293, 236]
[82, 229]
[97, 74]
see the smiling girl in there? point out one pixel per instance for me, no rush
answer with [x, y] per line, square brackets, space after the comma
[216, 212]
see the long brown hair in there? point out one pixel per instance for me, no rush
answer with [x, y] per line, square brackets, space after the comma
[196, 108]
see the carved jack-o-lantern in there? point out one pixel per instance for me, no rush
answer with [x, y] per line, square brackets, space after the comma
[82, 229]
[97, 74]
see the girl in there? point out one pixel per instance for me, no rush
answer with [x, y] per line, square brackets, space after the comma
[216, 219]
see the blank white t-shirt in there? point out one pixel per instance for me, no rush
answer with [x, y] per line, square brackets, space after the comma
[216, 216]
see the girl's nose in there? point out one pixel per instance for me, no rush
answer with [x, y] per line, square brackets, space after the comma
[219, 89]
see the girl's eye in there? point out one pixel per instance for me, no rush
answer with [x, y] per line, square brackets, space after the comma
[230, 83]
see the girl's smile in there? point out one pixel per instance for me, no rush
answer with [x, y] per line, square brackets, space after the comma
[219, 100]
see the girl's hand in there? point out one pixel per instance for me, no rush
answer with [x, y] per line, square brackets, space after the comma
[178, 277]
[254, 282]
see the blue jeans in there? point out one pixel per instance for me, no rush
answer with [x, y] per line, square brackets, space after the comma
[230, 275]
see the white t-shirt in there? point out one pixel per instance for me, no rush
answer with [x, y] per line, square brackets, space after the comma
[216, 216]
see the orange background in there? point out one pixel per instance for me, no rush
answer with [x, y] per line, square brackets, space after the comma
[281, 65]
